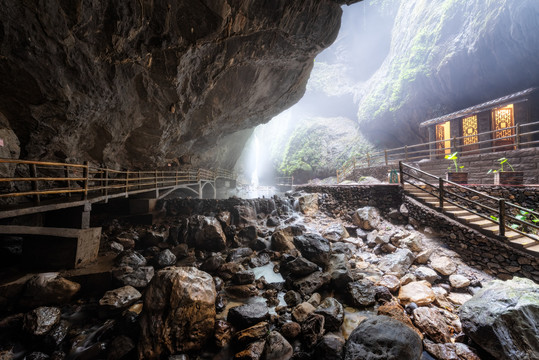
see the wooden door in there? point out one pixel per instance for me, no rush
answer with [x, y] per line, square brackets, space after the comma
[443, 139]
[503, 125]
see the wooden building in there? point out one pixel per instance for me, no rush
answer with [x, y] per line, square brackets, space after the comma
[493, 124]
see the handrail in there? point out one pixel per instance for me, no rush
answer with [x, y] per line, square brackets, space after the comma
[426, 150]
[63, 179]
[501, 216]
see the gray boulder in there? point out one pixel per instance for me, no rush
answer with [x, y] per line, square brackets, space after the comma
[397, 263]
[502, 318]
[383, 338]
[314, 248]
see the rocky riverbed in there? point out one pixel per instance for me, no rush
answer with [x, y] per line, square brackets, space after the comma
[298, 277]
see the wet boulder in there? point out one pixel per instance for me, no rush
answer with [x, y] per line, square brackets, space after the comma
[340, 272]
[210, 236]
[138, 277]
[239, 254]
[130, 258]
[282, 239]
[312, 329]
[251, 334]
[367, 218]
[165, 258]
[244, 316]
[450, 351]
[335, 232]
[502, 318]
[333, 313]
[310, 283]
[243, 277]
[383, 338]
[253, 352]
[314, 248]
[179, 312]
[277, 347]
[433, 323]
[308, 203]
[418, 292]
[397, 263]
[298, 267]
[41, 320]
[361, 293]
[331, 347]
[120, 298]
[48, 289]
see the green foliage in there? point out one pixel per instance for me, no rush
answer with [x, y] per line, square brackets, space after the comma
[455, 159]
[302, 152]
[501, 161]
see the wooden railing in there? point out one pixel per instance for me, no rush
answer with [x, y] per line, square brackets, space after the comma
[521, 138]
[497, 210]
[285, 181]
[48, 179]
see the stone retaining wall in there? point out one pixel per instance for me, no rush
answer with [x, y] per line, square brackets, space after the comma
[487, 254]
[383, 197]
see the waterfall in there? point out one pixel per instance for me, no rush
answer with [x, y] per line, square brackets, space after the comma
[254, 175]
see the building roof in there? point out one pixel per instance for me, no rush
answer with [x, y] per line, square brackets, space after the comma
[508, 99]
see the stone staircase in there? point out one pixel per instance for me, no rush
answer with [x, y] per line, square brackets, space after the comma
[486, 226]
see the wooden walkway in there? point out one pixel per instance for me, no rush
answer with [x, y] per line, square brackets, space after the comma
[45, 186]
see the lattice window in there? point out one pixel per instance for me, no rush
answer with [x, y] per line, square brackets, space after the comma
[469, 130]
[503, 119]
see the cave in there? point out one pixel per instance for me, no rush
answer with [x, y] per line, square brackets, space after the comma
[168, 188]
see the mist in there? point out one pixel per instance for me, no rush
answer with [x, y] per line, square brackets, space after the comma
[333, 91]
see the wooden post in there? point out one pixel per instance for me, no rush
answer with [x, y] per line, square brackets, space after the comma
[176, 177]
[35, 185]
[455, 145]
[517, 136]
[501, 216]
[106, 185]
[406, 152]
[66, 173]
[155, 179]
[401, 173]
[385, 156]
[127, 183]
[139, 182]
[368, 160]
[441, 191]
[86, 175]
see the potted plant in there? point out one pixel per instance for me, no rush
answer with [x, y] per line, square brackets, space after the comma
[505, 177]
[458, 176]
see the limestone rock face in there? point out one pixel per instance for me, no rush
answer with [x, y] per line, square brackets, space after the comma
[179, 312]
[438, 45]
[502, 318]
[144, 83]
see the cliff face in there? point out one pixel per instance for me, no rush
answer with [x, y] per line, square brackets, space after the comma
[141, 83]
[446, 55]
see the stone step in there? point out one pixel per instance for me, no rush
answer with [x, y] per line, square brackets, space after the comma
[524, 241]
[470, 218]
[493, 228]
[513, 235]
[459, 212]
[534, 248]
[483, 223]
